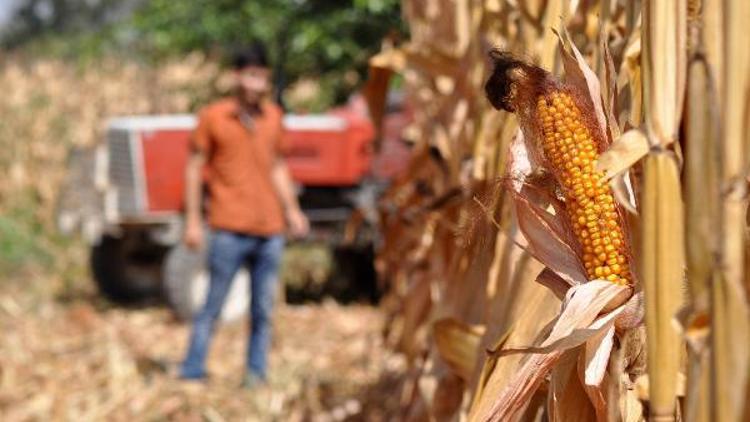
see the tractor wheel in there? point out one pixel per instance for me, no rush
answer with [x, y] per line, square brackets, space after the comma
[355, 278]
[127, 269]
[186, 285]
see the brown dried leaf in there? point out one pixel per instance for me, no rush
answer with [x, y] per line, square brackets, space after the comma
[623, 153]
[393, 59]
[610, 97]
[547, 235]
[623, 192]
[631, 408]
[631, 74]
[458, 344]
[597, 352]
[557, 285]
[447, 397]
[567, 400]
[579, 74]
[583, 304]
[574, 338]
[594, 359]
[548, 240]
[417, 304]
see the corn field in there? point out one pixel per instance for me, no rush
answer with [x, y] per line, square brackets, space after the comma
[66, 354]
[51, 106]
[568, 243]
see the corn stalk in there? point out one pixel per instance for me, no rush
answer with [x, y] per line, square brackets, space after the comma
[729, 301]
[701, 212]
[662, 255]
[662, 274]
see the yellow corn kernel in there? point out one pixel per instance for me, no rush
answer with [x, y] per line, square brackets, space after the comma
[572, 152]
[614, 278]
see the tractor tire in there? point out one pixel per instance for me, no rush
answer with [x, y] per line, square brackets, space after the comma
[186, 285]
[127, 269]
[355, 278]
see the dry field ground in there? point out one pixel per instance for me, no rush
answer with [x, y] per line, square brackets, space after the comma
[82, 359]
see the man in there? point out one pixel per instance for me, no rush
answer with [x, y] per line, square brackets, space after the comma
[252, 200]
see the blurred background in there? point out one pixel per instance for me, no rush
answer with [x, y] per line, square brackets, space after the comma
[94, 287]
[418, 280]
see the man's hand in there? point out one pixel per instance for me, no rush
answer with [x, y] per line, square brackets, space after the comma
[298, 224]
[295, 219]
[193, 234]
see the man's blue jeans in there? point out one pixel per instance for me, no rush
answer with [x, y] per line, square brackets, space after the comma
[227, 252]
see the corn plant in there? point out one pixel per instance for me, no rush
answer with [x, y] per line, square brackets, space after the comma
[580, 253]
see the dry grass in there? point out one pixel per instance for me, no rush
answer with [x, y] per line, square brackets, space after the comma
[83, 360]
[49, 107]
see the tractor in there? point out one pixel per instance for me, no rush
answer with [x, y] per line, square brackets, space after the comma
[126, 196]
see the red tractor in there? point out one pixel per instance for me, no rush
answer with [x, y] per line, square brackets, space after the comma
[132, 215]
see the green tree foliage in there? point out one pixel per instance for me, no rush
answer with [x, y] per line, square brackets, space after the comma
[326, 40]
[34, 20]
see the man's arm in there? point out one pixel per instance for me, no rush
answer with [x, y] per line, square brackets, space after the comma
[193, 200]
[282, 181]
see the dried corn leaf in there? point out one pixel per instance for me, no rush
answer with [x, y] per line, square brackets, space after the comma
[623, 153]
[594, 359]
[579, 74]
[458, 345]
[548, 240]
[576, 324]
[528, 306]
[567, 399]
[556, 284]
[547, 236]
[610, 96]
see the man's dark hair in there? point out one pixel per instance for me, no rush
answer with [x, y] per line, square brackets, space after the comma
[250, 55]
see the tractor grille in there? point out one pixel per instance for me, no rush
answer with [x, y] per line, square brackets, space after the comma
[122, 171]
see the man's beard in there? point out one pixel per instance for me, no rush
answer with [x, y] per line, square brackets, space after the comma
[252, 97]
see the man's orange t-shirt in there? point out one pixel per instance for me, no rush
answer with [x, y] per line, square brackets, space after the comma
[239, 160]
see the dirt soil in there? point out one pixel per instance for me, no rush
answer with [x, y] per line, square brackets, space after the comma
[83, 359]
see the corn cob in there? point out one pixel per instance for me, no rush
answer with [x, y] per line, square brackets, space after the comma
[551, 116]
[571, 151]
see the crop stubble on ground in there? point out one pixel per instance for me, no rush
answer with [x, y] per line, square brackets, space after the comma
[81, 361]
